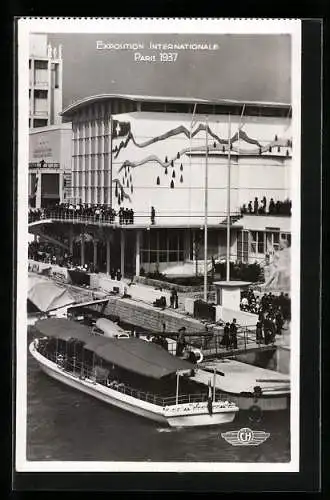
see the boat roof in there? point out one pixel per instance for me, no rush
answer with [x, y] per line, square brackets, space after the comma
[133, 354]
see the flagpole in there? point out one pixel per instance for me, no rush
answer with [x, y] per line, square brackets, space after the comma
[110, 198]
[228, 205]
[177, 388]
[214, 373]
[190, 134]
[205, 212]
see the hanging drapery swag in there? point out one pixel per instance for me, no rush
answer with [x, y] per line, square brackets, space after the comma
[130, 178]
[172, 184]
[123, 180]
[158, 181]
[181, 178]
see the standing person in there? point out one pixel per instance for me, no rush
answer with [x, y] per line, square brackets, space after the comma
[172, 298]
[278, 321]
[176, 299]
[268, 329]
[153, 214]
[259, 337]
[256, 205]
[226, 336]
[180, 345]
[233, 334]
[118, 275]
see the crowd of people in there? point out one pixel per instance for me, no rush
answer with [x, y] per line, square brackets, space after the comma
[45, 252]
[272, 310]
[101, 213]
[262, 208]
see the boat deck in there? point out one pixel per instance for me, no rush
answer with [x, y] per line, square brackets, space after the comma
[235, 377]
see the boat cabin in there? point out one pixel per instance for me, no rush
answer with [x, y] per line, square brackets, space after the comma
[130, 365]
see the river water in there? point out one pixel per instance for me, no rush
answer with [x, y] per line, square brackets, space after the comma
[66, 425]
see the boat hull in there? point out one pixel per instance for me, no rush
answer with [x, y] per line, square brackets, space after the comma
[175, 416]
[265, 403]
[103, 393]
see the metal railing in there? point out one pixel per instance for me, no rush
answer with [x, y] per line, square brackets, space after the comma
[84, 372]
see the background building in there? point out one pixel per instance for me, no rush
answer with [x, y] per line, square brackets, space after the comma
[45, 82]
[139, 152]
[50, 165]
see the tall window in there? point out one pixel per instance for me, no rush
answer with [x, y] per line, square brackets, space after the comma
[243, 246]
[257, 244]
[286, 237]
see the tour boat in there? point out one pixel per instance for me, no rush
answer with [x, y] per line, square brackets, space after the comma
[134, 375]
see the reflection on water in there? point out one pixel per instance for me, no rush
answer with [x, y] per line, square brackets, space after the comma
[64, 424]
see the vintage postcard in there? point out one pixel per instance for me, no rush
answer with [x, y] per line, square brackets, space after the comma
[158, 322]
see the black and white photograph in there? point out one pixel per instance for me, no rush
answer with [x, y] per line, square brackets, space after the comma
[158, 271]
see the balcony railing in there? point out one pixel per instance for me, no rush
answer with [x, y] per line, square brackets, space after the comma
[44, 165]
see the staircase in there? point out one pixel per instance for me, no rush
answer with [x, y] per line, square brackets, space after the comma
[233, 218]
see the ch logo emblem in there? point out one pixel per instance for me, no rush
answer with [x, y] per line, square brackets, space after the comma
[245, 437]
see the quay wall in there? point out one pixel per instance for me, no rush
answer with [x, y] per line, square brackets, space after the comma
[151, 318]
[276, 358]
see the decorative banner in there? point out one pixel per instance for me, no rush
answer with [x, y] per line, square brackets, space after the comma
[123, 128]
[172, 184]
[158, 181]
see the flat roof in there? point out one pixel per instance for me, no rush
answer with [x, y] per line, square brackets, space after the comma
[170, 99]
[50, 128]
[132, 354]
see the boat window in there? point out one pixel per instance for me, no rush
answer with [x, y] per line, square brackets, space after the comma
[97, 331]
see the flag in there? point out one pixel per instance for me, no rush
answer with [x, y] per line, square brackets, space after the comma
[120, 129]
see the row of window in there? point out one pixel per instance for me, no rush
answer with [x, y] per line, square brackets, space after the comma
[38, 122]
[259, 242]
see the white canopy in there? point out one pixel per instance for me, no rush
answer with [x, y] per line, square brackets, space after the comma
[48, 296]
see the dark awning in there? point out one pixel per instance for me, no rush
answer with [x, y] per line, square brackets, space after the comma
[136, 355]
